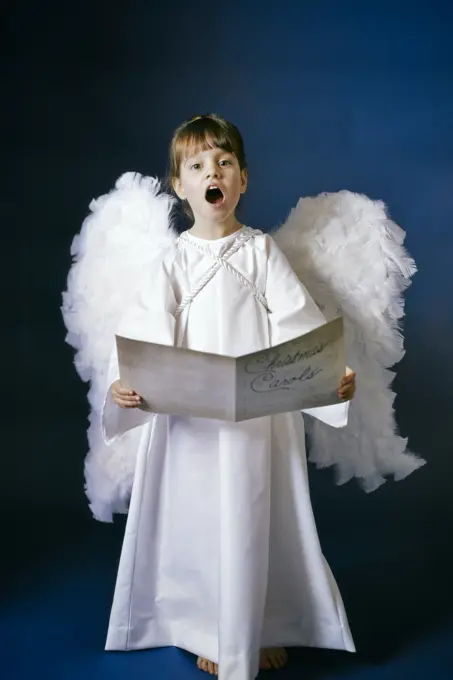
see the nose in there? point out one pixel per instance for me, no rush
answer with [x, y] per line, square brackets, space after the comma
[212, 171]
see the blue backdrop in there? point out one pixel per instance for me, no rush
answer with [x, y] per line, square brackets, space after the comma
[357, 97]
[328, 95]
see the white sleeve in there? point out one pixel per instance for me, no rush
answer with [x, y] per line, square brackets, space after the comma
[293, 312]
[150, 318]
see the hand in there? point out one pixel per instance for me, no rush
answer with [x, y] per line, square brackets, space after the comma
[125, 398]
[347, 386]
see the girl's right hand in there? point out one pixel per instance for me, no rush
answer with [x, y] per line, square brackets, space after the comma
[125, 398]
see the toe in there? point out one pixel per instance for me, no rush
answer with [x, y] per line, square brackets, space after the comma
[207, 666]
[276, 658]
[264, 661]
[283, 657]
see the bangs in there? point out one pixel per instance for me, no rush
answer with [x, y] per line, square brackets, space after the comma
[204, 133]
[196, 141]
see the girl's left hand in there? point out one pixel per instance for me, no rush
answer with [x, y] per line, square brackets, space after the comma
[347, 387]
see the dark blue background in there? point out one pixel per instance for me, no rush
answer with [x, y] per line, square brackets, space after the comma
[328, 95]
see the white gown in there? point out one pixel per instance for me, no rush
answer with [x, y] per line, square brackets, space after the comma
[221, 555]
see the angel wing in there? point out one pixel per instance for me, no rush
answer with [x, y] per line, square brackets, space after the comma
[115, 246]
[350, 256]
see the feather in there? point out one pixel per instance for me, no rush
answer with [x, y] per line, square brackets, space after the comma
[350, 256]
[113, 250]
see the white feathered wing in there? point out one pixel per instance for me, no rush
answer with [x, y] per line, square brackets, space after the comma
[350, 256]
[114, 249]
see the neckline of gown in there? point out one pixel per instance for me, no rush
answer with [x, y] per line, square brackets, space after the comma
[209, 241]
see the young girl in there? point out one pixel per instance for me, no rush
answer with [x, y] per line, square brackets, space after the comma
[221, 556]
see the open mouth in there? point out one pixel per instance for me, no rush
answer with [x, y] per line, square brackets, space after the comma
[214, 196]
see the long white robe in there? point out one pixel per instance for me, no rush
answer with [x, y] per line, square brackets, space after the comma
[221, 555]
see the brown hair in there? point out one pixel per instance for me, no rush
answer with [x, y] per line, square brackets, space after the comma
[199, 134]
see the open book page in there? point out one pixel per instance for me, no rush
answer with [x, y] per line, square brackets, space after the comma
[178, 381]
[299, 374]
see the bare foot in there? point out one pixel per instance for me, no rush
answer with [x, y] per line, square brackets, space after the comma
[269, 659]
[273, 658]
[207, 666]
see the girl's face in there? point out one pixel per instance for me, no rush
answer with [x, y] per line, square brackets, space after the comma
[212, 183]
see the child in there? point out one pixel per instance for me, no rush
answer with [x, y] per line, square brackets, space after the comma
[221, 556]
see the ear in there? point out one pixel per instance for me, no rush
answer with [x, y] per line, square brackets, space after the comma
[177, 188]
[244, 180]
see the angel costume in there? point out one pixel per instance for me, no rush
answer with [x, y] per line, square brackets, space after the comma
[221, 555]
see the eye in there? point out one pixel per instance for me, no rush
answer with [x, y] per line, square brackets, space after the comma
[195, 166]
[225, 162]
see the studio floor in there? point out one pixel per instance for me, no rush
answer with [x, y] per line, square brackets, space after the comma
[58, 573]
